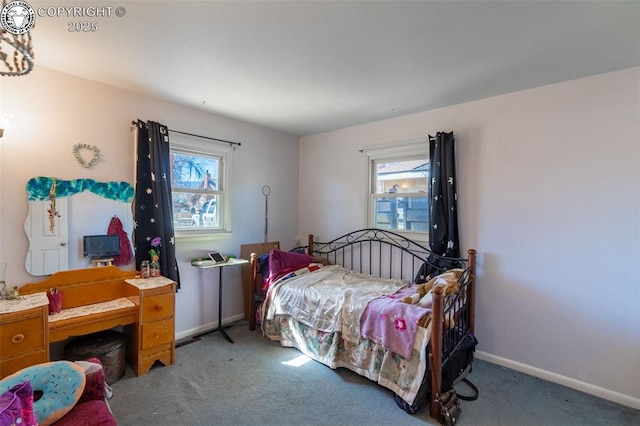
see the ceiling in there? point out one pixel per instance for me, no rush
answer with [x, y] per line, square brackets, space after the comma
[307, 67]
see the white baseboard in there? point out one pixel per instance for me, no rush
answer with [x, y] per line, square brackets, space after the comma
[607, 394]
[207, 327]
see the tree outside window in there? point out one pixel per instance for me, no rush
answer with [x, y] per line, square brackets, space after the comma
[197, 188]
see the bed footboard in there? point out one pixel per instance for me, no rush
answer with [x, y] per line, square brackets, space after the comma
[456, 311]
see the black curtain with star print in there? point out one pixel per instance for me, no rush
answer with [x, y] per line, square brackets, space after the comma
[153, 213]
[443, 197]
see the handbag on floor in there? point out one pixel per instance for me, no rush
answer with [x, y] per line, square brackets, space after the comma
[448, 408]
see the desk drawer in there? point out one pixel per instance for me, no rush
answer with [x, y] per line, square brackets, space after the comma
[21, 336]
[157, 333]
[12, 365]
[157, 307]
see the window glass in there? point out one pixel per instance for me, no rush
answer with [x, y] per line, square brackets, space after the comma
[197, 190]
[399, 193]
[407, 176]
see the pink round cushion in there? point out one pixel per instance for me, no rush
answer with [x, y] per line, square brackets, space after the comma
[61, 384]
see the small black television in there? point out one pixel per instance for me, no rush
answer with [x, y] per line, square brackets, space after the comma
[101, 246]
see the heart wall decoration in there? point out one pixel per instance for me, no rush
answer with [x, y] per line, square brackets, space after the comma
[82, 150]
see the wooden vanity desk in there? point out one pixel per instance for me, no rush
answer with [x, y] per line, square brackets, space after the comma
[94, 299]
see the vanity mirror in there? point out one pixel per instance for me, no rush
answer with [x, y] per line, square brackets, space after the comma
[62, 212]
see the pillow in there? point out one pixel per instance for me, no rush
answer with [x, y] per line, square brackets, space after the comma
[321, 260]
[16, 406]
[95, 383]
[447, 280]
[286, 261]
[61, 384]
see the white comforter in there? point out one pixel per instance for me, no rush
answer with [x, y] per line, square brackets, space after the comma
[328, 299]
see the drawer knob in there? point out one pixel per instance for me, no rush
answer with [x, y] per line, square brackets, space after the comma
[17, 338]
[157, 307]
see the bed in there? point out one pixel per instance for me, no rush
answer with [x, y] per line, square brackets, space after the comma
[359, 302]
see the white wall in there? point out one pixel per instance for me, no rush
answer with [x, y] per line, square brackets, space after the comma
[548, 186]
[53, 111]
[549, 194]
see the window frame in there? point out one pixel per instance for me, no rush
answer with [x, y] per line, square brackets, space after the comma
[186, 145]
[395, 152]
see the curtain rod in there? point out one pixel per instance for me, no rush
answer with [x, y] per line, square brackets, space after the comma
[197, 136]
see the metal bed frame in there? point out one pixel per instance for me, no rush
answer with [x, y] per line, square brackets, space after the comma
[388, 254]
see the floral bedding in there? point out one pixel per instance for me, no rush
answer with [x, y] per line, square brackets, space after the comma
[367, 358]
[320, 311]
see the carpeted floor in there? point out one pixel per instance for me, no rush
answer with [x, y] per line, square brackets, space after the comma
[257, 382]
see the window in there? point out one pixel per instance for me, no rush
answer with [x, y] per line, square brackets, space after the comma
[199, 187]
[398, 189]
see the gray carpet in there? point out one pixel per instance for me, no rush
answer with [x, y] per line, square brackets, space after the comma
[246, 383]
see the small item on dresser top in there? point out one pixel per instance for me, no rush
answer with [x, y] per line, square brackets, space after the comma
[155, 256]
[145, 269]
[11, 294]
[55, 300]
[154, 269]
[8, 294]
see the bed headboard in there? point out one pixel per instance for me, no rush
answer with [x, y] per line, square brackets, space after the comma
[382, 253]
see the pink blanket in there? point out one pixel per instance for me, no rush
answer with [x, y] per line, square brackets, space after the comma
[392, 323]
